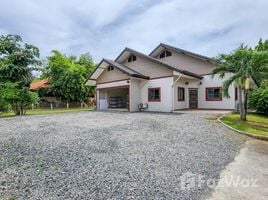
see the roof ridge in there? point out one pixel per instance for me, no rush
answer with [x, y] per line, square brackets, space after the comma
[190, 53]
[123, 66]
[118, 65]
[160, 62]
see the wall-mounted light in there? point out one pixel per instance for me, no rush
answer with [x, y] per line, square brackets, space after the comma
[186, 83]
[200, 83]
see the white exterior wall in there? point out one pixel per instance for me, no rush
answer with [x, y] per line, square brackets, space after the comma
[207, 81]
[169, 97]
[165, 105]
[135, 95]
[189, 63]
[181, 83]
[225, 103]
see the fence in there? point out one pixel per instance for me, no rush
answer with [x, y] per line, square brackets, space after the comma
[61, 104]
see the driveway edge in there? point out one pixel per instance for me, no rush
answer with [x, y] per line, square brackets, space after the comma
[242, 132]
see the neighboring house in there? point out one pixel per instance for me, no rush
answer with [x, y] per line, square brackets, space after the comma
[47, 99]
[167, 79]
[39, 84]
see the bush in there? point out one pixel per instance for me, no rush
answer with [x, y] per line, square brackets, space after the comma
[258, 99]
[4, 106]
[16, 98]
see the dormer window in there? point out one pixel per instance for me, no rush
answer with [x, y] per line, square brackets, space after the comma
[110, 68]
[131, 58]
[165, 53]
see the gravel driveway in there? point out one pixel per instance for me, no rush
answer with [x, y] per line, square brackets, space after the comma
[107, 155]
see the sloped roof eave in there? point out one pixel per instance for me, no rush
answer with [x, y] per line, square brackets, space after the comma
[127, 70]
[166, 46]
[159, 62]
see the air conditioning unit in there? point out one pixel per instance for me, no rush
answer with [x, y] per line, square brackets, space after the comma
[143, 106]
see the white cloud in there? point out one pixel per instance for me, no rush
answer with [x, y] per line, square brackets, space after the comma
[105, 27]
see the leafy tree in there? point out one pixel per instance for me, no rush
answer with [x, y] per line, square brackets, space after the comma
[67, 76]
[262, 45]
[86, 61]
[258, 99]
[20, 97]
[244, 64]
[4, 105]
[17, 61]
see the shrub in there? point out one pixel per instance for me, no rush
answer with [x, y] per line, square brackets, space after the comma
[258, 99]
[4, 106]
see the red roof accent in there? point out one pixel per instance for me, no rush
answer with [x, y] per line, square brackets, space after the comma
[39, 84]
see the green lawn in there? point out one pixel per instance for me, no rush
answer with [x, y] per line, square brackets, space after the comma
[256, 124]
[48, 111]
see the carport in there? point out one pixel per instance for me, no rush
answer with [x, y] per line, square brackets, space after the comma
[116, 86]
[114, 98]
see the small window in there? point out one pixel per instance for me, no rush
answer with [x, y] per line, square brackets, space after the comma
[131, 58]
[181, 94]
[154, 95]
[165, 54]
[110, 68]
[213, 94]
[168, 53]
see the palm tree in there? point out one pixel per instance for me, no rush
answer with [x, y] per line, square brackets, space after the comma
[245, 65]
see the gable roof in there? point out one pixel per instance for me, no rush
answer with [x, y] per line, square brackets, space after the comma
[178, 50]
[98, 70]
[131, 51]
[126, 69]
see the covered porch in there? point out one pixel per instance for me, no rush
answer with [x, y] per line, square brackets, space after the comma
[185, 91]
[113, 98]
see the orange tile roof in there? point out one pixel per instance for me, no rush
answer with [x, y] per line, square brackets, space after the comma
[39, 84]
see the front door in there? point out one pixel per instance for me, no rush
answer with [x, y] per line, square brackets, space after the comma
[193, 98]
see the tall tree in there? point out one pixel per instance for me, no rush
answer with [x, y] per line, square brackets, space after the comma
[67, 76]
[86, 61]
[262, 45]
[244, 64]
[17, 60]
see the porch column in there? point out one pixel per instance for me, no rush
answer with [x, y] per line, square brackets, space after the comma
[173, 91]
[97, 99]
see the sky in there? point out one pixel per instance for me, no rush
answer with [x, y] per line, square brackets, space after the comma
[105, 27]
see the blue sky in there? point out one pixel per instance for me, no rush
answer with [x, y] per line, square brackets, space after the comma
[105, 27]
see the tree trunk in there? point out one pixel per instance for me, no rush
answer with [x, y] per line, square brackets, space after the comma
[18, 109]
[242, 102]
[21, 110]
[246, 101]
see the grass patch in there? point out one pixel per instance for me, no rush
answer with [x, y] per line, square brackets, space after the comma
[256, 124]
[47, 111]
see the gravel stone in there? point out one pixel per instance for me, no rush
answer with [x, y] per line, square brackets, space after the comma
[111, 155]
